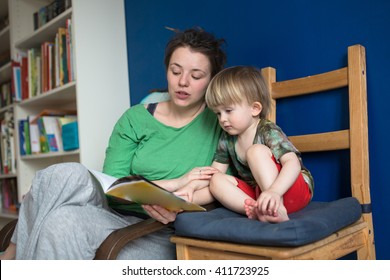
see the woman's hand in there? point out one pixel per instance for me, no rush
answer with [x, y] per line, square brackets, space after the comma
[160, 213]
[198, 173]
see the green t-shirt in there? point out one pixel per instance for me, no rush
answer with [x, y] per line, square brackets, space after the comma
[141, 145]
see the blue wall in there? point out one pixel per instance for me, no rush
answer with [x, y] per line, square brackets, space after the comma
[298, 38]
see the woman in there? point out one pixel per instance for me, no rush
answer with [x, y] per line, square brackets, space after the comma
[65, 215]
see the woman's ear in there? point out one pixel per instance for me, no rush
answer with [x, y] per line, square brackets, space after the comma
[256, 108]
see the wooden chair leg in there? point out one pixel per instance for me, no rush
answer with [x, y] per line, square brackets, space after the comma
[6, 234]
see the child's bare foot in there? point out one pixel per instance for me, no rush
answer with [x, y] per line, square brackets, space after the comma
[253, 212]
[249, 206]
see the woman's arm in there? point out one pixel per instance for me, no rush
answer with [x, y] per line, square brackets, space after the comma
[198, 173]
[121, 148]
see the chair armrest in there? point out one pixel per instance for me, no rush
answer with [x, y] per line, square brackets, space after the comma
[112, 245]
[6, 234]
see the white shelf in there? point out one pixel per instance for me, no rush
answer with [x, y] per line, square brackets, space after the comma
[6, 108]
[8, 214]
[51, 155]
[7, 176]
[65, 94]
[45, 32]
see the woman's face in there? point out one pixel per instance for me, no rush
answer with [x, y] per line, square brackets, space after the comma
[188, 76]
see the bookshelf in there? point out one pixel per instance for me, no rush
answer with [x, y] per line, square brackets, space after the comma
[99, 91]
[5, 78]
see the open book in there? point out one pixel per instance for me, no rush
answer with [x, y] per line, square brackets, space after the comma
[137, 189]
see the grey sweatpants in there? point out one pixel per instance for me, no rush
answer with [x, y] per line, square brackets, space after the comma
[65, 216]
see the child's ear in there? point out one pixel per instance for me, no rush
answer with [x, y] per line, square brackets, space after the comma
[256, 109]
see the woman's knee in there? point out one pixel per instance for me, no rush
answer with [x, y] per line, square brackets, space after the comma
[64, 170]
[67, 183]
[57, 175]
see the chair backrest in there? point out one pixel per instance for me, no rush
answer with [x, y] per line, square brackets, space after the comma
[355, 138]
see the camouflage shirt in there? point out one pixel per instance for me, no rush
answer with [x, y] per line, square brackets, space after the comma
[268, 134]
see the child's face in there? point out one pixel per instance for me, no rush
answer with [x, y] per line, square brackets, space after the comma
[237, 118]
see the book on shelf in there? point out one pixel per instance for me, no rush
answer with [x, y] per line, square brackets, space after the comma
[7, 137]
[69, 50]
[52, 131]
[48, 12]
[43, 138]
[38, 74]
[45, 65]
[9, 194]
[62, 56]
[5, 94]
[44, 132]
[70, 135]
[137, 189]
[33, 135]
[51, 65]
[34, 71]
[24, 76]
[67, 119]
[22, 137]
[16, 86]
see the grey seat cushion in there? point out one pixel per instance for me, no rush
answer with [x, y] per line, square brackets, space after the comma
[316, 221]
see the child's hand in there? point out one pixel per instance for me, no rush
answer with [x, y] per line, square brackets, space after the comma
[187, 192]
[269, 203]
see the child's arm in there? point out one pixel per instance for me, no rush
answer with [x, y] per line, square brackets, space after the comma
[291, 168]
[270, 199]
[197, 190]
[221, 167]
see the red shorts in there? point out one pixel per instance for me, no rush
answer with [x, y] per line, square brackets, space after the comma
[296, 198]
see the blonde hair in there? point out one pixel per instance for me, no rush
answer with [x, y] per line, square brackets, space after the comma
[236, 84]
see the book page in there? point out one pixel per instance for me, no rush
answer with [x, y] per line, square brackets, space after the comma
[105, 180]
[140, 190]
[145, 192]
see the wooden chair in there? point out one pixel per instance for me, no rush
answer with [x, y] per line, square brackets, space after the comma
[357, 237]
